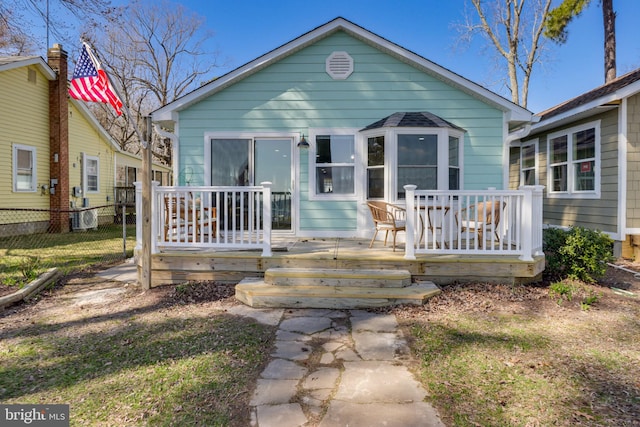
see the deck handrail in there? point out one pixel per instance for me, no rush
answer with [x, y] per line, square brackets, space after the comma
[208, 217]
[473, 222]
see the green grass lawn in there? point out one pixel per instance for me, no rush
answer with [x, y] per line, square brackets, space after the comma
[22, 258]
[493, 362]
[153, 365]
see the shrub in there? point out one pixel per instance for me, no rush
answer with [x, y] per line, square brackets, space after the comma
[562, 290]
[579, 253]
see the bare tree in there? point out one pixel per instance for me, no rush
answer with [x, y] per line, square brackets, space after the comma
[57, 17]
[154, 55]
[12, 41]
[514, 28]
[560, 17]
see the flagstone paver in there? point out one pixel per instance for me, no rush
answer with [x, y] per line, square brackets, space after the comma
[340, 368]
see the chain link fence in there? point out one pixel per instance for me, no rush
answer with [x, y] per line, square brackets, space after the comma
[30, 241]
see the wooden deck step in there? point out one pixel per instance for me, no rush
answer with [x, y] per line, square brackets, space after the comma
[255, 292]
[338, 277]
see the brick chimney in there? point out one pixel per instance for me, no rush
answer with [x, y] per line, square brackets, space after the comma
[59, 141]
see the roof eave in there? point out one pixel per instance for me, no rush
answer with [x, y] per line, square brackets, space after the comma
[514, 111]
[587, 109]
[36, 60]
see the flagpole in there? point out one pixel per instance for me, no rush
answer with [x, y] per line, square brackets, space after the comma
[144, 276]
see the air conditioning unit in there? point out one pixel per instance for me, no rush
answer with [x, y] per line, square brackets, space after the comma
[84, 220]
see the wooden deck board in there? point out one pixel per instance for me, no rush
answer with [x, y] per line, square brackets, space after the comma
[353, 254]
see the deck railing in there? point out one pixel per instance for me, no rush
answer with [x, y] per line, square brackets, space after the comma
[475, 222]
[491, 222]
[208, 217]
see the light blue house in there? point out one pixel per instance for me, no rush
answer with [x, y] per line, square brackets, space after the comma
[337, 117]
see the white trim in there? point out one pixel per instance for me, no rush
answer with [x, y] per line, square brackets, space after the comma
[514, 111]
[622, 167]
[391, 156]
[34, 167]
[85, 175]
[357, 162]
[571, 193]
[34, 60]
[609, 98]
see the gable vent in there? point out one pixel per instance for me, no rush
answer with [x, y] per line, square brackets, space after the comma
[339, 65]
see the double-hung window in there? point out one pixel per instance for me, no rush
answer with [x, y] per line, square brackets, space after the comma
[91, 174]
[24, 168]
[528, 155]
[334, 166]
[574, 162]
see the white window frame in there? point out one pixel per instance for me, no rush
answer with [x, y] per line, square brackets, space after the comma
[34, 172]
[391, 156]
[571, 193]
[536, 146]
[357, 168]
[85, 175]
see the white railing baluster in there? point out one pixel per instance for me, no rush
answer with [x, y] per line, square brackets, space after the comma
[210, 217]
[518, 231]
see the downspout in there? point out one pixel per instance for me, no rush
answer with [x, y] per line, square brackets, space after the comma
[622, 170]
[174, 148]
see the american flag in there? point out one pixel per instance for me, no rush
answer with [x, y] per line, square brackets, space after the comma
[90, 82]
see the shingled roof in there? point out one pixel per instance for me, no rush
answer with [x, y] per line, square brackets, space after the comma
[423, 119]
[592, 95]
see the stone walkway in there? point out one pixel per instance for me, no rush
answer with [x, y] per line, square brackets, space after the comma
[342, 368]
[339, 368]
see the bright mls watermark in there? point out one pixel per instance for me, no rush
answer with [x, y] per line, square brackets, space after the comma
[34, 415]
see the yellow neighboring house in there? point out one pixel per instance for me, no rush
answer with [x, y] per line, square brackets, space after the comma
[55, 157]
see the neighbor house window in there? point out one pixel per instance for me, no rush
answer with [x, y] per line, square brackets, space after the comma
[574, 159]
[157, 176]
[91, 174]
[528, 155]
[24, 168]
[334, 169]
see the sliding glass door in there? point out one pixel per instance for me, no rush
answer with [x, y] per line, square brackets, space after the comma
[242, 162]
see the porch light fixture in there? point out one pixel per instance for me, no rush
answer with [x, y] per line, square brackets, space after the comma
[303, 142]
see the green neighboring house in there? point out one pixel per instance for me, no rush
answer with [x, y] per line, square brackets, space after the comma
[586, 152]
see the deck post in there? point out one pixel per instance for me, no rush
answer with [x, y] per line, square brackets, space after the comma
[537, 210]
[138, 202]
[154, 217]
[527, 224]
[409, 247]
[266, 218]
